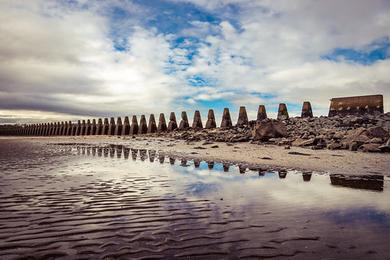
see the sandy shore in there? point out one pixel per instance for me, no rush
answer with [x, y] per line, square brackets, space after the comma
[341, 161]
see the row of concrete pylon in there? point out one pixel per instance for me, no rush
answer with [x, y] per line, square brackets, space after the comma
[105, 127]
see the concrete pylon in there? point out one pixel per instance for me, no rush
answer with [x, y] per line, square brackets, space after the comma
[306, 109]
[42, 131]
[152, 127]
[242, 117]
[111, 129]
[88, 127]
[74, 129]
[211, 120]
[197, 123]
[69, 129]
[226, 119]
[126, 126]
[99, 127]
[78, 128]
[64, 128]
[119, 126]
[143, 128]
[282, 112]
[162, 125]
[56, 126]
[92, 129]
[134, 126]
[172, 125]
[83, 128]
[60, 127]
[184, 121]
[261, 113]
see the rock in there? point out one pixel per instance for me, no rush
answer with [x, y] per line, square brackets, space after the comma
[334, 146]
[375, 140]
[353, 146]
[377, 131]
[371, 148]
[269, 128]
[303, 142]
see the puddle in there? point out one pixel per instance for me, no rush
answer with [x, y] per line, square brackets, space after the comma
[115, 202]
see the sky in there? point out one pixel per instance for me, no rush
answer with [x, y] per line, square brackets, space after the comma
[76, 59]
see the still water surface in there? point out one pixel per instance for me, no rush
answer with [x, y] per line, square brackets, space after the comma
[68, 202]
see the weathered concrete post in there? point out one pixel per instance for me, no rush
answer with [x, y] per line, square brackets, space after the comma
[78, 128]
[92, 130]
[282, 112]
[162, 125]
[88, 127]
[106, 126]
[261, 113]
[119, 126]
[152, 128]
[99, 127]
[134, 126]
[63, 126]
[69, 129]
[143, 128]
[172, 125]
[226, 119]
[111, 129]
[83, 127]
[56, 126]
[306, 109]
[184, 121]
[51, 129]
[37, 131]
[74, 129]
[242, 117]
[211, 120]
[126, 126]
[197, 123]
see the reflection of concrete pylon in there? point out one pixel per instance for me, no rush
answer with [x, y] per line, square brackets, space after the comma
[152, 128]
[162, 125]
[226, 119]
[184, 121]
[282, 112]
[242, 117]
[261, 113]
[197, 123]
[211, 120]
[306, 109]
[172, 125]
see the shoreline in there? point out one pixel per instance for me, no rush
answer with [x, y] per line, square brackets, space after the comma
[267, 156]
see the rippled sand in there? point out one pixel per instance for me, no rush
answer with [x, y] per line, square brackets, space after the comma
[88, 202]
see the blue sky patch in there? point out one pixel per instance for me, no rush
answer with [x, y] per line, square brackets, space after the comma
[376, 51]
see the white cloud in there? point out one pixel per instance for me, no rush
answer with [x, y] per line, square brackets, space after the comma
[58, 58]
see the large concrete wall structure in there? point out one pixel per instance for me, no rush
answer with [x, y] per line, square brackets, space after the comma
[339, 106]
[356, 105]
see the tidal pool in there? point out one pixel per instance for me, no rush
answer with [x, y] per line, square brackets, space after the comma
[114, 202]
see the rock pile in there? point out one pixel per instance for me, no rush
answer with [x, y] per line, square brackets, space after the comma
[367, 133]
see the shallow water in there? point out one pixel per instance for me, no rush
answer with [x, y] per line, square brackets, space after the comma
[67, 202]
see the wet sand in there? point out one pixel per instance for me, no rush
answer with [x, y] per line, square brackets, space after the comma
[83, 201]
[270, 156]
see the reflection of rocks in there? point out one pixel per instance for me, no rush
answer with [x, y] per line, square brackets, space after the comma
[171, 160]
[210, 165]
[368, 182]
[306, 176]
[282, 174]
[196, 163]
